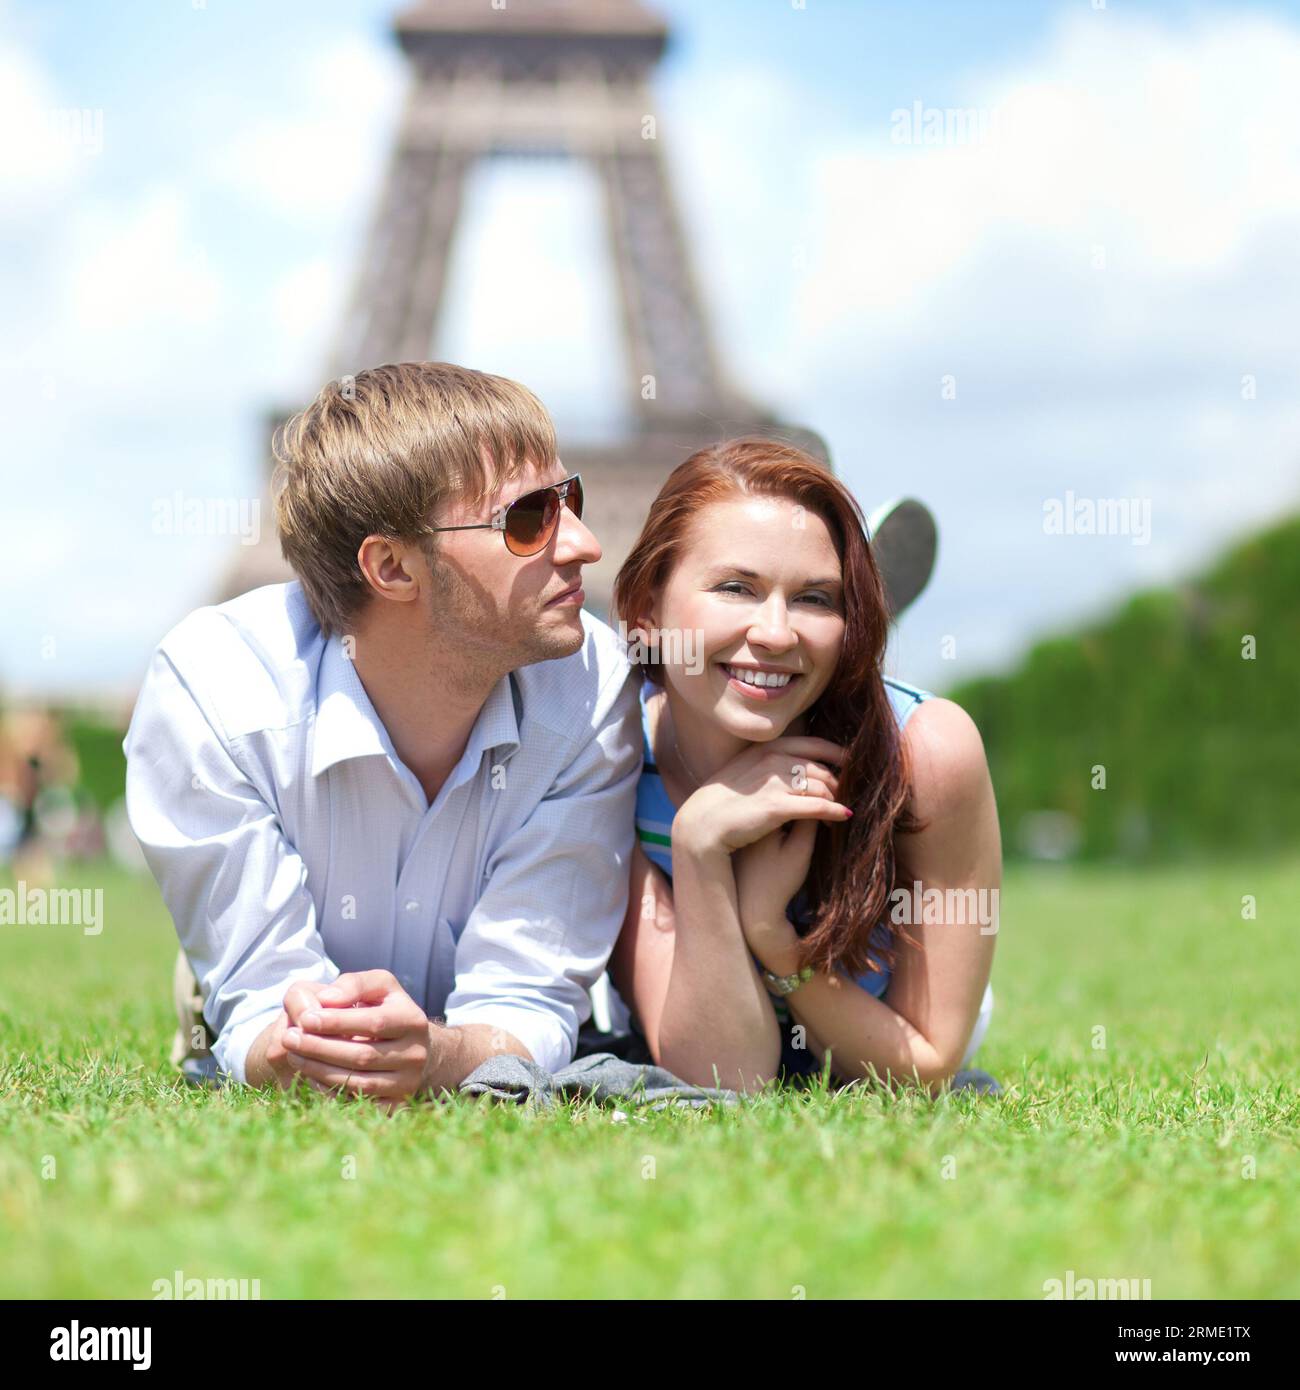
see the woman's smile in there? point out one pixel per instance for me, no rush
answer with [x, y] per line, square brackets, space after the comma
[760, 683]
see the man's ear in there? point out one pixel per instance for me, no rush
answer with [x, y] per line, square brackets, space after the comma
[389, 568]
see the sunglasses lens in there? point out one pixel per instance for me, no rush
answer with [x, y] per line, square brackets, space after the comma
[530, 521]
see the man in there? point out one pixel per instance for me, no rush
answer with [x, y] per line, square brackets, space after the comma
[389, 805]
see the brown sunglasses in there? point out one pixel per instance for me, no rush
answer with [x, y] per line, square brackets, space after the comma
[529, 522]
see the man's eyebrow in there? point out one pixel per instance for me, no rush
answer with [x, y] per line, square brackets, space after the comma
[718, 570]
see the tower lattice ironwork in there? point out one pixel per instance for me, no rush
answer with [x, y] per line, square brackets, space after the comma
[545, 78]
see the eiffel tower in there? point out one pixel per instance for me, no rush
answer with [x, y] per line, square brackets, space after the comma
[546, 78]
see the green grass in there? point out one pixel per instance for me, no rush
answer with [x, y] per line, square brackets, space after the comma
[1122, 1162]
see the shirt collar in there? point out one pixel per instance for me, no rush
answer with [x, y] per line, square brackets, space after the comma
[348, 727]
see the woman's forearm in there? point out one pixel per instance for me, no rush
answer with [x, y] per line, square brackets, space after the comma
[717, 1013]
[860, 1032]
[864, 1035]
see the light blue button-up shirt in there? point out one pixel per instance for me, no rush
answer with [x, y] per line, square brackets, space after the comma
[292, 843]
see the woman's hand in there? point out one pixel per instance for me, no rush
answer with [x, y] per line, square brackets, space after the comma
[769, 873]
[760, 789]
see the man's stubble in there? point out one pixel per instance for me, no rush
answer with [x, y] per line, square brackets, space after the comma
[470, 629]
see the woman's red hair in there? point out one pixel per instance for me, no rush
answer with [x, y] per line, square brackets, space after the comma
[854, 869]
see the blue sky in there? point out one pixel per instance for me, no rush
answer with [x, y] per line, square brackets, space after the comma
[1107, 282]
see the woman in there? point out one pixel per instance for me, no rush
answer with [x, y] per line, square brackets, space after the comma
[780, 766]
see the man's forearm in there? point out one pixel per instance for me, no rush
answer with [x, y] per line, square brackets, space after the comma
[455, 1052]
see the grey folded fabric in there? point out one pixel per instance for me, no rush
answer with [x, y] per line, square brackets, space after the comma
[978, 1081]
[601, 1076]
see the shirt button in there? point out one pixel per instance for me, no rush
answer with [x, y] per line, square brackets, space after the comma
[412, 905]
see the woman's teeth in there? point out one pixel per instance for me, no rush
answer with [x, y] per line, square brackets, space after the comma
[760, 678]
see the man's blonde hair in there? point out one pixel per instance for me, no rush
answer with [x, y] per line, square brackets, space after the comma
[377, 453]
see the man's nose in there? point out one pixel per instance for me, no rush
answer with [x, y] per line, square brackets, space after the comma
[575, 540]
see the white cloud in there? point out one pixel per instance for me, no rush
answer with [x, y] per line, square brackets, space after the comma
[140, 266]
[306, 304]
[147, 329]
[319, 156]
[1168, 148]
[39, 151]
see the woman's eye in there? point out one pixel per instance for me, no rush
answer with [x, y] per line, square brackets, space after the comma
[734, 586]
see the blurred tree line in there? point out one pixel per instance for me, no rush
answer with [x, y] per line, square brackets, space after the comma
[1187, 698]
[98, 747]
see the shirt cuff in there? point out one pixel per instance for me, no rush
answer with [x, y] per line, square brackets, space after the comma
[231, 1047]
[541, 1033]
